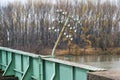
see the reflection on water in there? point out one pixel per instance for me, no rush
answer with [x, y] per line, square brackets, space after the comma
[111, 62]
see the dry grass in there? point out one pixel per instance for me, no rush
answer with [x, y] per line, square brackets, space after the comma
[82, 51]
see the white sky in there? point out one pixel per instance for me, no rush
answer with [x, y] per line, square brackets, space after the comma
[4, 2]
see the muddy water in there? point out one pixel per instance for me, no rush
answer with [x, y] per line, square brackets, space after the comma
[110, 62]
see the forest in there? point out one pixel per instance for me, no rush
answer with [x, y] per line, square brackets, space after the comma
[36, 25]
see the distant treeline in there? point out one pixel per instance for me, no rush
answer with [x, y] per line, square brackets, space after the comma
[26, 26]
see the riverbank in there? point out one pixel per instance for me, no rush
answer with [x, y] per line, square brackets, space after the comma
[82, 51]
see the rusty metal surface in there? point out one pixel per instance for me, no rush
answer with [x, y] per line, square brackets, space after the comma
[8, 78]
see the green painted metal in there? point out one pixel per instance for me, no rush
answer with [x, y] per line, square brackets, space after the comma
[66, 71]
[9, 68]
[49, 69]
[0, 60]
[28, 66]
[59, 71]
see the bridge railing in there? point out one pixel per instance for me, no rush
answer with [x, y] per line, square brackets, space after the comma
[29, 66]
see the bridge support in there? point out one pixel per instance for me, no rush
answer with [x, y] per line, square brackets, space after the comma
[29, 66]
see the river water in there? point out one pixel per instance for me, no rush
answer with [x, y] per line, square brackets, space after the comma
[109, 62]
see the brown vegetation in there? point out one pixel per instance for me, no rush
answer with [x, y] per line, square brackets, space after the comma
[26, 27]
[79, 51]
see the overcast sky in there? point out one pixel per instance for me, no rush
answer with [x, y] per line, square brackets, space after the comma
[4, 2]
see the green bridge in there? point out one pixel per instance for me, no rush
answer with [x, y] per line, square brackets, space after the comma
[29, 66]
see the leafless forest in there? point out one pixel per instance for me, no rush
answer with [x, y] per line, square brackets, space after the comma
[36, 25]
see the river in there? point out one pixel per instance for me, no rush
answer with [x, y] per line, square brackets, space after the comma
[109, 62]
